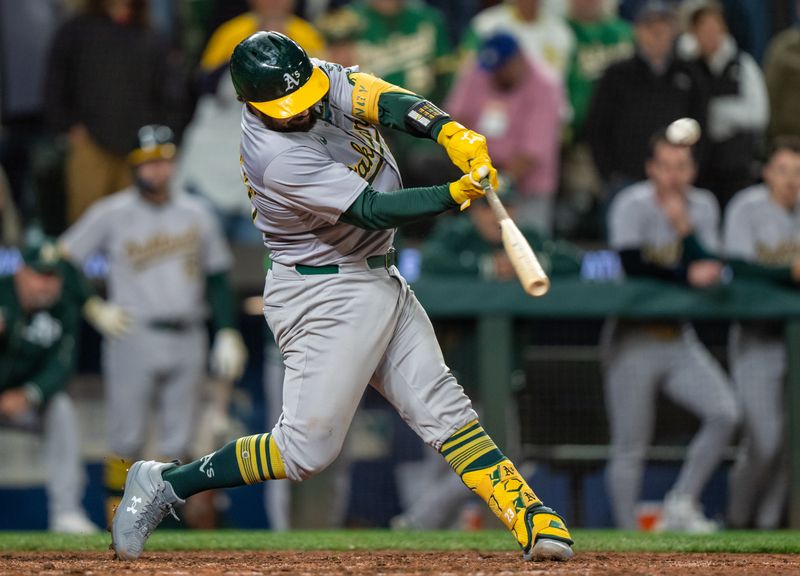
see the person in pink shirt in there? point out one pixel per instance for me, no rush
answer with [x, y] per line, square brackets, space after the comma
[518, 105]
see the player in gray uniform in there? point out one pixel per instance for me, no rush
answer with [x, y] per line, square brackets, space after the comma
[327, 195]
[762, 239]
[168, 265]
[662, 228]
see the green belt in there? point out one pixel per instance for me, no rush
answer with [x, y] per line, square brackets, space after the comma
[381, 261]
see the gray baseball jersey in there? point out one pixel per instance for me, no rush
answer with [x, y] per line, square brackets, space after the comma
[642, 359]
[158, 255]
[301, 182]
[636, 221]
[758, 229]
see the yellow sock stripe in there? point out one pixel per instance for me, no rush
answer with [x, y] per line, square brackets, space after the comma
[244, 457]
[466, 440]
[466, 458]
[457, 453]
[239, 459]
[278, 469]
[253, 450]
[461, 434]
[262, 457]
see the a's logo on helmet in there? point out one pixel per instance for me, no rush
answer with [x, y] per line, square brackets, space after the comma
[292, 80]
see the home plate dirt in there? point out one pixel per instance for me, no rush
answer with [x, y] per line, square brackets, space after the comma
[193, 563]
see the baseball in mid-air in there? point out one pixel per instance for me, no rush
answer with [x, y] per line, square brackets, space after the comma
[684, 132]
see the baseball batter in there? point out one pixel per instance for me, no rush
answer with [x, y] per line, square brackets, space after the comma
[762, 237]
[327, 195]
[661, 228]
[168, 265]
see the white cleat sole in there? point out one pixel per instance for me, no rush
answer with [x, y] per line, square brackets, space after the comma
[548, 549]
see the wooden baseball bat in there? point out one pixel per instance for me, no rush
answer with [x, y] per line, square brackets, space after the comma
[529, 271]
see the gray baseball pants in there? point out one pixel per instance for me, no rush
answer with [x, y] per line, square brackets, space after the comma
[759, 480]
[338, 333]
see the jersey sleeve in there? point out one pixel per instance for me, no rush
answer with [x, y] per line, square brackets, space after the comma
[624, 224]
[87, 236]
[308, 180]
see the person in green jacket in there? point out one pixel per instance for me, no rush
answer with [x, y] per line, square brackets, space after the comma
[40, 311]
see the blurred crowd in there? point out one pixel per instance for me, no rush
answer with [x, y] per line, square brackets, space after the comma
[573, 96]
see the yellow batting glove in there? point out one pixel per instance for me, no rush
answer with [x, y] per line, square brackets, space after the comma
[468, 187]
[463, 146]
[484, 166]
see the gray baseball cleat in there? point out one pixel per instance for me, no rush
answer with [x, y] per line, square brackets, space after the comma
[549, 534]
[145, 503]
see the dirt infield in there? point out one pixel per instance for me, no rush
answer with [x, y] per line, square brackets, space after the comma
[374, 562]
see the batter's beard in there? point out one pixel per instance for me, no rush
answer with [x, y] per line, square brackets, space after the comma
[293, 125]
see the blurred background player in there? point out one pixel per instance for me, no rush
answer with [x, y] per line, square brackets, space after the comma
[168, 264]
[762, 236]
[661, 228]
[40, 312]
[738, 107]
[509, 98]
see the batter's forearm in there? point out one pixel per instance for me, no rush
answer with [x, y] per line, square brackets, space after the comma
[374, 210]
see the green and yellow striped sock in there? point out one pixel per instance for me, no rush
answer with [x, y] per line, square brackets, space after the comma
[473, 455]
[247, 460]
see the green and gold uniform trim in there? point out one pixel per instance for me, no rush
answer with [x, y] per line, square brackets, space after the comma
[470, 448]
[259, 459]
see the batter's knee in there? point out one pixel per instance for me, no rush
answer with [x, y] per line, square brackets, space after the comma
[308, 452]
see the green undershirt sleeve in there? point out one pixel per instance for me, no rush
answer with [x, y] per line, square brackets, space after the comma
[374, 210]
[393, 110]
[745, 269]
[220, 299]
[693, 250]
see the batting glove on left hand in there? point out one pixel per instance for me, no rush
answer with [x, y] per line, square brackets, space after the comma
[469, 187]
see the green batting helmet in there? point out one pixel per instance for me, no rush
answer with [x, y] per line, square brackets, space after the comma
[272, 73]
